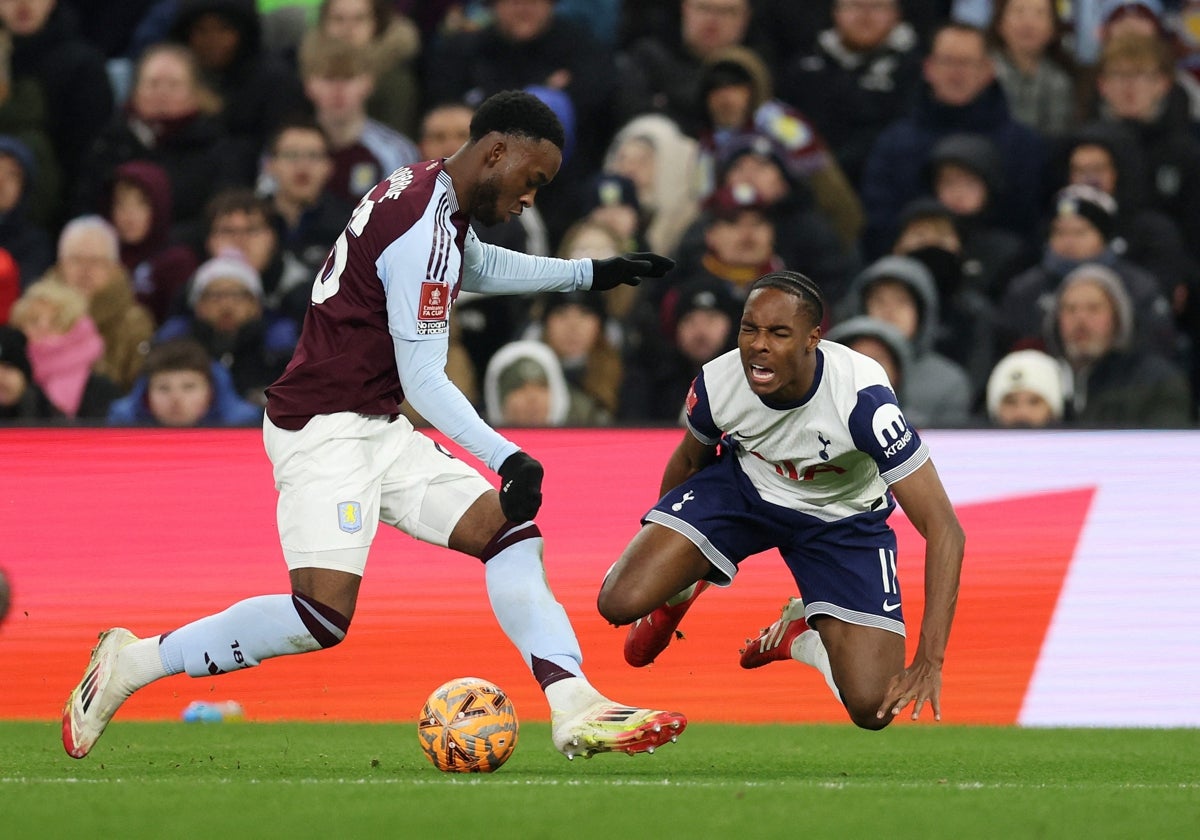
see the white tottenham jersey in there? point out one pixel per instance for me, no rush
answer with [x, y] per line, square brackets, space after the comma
[830, 455]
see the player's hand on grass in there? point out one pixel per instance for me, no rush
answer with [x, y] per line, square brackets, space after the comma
[920, 683]
[520, 487]
[628, 270]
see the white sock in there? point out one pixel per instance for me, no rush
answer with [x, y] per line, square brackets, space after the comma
[809, 649]
[683, 595]
[141, 663]
[527, 611]
[240, 637]
[569, 696]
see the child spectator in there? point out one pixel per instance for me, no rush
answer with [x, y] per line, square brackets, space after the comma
[63, 346]
[338, 79]
[393, 42]
[967, 317]
[611, 200]
[140, 210]
[182, 387]
[965, 176]
[524, 385]
[1025, 390]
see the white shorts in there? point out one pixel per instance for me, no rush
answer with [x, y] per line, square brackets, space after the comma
[343, 474]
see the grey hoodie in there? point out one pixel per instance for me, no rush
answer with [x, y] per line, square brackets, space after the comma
[938, 391]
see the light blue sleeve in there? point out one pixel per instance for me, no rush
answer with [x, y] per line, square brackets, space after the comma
[422, 369]
[499, 271]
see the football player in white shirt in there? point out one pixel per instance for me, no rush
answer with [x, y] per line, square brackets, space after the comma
[798, 444]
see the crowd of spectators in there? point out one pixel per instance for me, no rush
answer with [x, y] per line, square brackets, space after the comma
[1000, 203]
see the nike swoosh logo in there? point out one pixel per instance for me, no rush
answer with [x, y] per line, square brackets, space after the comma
[891, 607]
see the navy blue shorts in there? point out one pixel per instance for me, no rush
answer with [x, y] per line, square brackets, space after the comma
[846, 569]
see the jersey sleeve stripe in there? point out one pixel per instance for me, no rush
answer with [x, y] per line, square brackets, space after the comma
[909, 467]
[700, 436]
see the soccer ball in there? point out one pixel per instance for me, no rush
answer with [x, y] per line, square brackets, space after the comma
[468, 725]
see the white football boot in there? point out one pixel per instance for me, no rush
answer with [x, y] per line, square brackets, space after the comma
[99, 694]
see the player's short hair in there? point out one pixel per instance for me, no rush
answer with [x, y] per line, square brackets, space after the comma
[797, 284]
[520, 114]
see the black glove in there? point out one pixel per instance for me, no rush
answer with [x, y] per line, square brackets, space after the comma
[520, 487]
[610, 273]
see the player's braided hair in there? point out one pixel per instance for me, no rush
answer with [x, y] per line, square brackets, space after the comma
[795, 283]
[517, 113]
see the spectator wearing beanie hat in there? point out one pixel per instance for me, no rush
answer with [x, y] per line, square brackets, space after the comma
[21, 400]
[1081, 229]
[735, 241]
[1025, 390]
[1114, 382]
[703, 324]
[228, 320]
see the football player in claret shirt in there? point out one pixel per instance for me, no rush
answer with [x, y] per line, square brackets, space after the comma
[814, 453]
[345, 459]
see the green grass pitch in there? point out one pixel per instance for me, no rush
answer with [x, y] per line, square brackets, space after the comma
[330, 780]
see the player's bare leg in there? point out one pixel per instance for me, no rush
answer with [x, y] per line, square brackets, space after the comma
[583, 721]
[863, 660]
[651, 587]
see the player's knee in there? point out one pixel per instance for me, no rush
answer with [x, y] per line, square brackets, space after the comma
[616, 606]
[868, 719]
[325, 624]
[863, 710]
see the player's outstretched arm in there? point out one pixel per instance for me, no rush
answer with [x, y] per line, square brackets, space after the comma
[927, 506]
